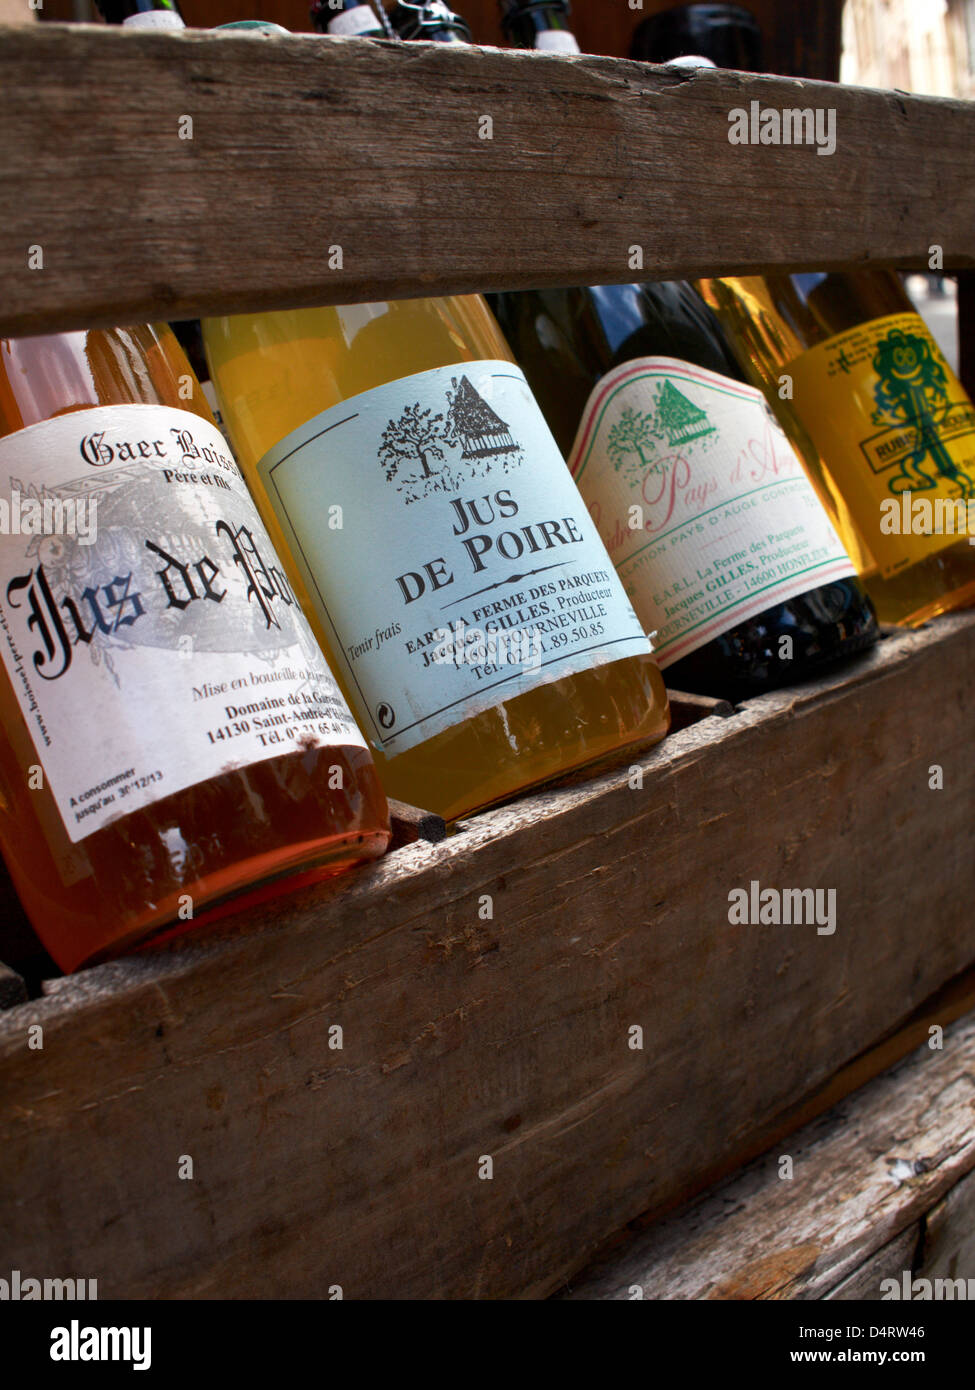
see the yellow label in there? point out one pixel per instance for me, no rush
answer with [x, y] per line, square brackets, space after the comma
[893, 424]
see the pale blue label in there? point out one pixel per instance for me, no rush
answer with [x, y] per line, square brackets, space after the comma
[450, 556]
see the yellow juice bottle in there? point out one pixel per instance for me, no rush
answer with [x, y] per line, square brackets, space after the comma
[882, 423]
[443, 553]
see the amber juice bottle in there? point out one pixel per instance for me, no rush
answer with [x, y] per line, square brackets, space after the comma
[414, 491]
[878, 417]
[172, 732]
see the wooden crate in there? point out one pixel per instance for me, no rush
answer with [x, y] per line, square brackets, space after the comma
[507, 1035]
[881, 1187]
[485, 986]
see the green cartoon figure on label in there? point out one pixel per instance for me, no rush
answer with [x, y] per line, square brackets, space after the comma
[912, 389]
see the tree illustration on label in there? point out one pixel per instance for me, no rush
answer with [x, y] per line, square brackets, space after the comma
[632, 442]
[412, 448]
[635, 438]
[912, 390]
[408, 448]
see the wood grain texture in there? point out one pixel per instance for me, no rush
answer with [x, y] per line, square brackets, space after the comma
[301, 144]
[468, 1035]
[410, 824]
[687, 709]
[949, 1235]
[863, 1177]
[889, 1262]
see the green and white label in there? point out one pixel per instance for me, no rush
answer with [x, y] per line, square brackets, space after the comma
[466, 569]
[701, 501]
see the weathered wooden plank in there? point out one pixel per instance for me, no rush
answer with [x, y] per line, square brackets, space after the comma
[410, 824]
[862, 1177]
[866, 1282]
[949, 1235]
[301, 144]
[487, 988]
[686, 709]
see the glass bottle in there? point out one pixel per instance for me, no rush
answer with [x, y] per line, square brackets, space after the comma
[722, 545]
[726, 36]
[528, 24]
[433, 22]
[172, 732]
[413, 489]
[351, 19]
[885, 428]
[142, 14]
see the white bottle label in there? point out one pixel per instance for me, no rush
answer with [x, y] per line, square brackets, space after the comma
[146, 626]
[556, 41]
[361, 20]
[154, 19]
[464, 569]
[701, 501]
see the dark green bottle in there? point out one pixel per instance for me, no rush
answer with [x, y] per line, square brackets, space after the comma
[434, 22]
[530, 24]
[703, 596]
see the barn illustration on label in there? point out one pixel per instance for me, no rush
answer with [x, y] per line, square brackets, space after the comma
[425, 452]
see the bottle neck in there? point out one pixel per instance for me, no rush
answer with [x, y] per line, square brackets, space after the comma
[350, 19]
[541, 24]
[142, 14]
[727, 35]
[433, 21]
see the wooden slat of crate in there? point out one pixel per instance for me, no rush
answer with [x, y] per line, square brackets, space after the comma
[299, 145]
[467, 1036]
[949, 1230]
[879, 1184]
